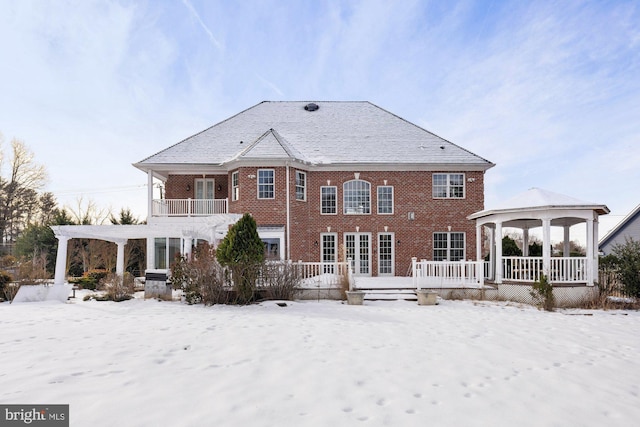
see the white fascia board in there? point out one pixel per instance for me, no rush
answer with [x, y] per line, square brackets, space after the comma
[400, 167]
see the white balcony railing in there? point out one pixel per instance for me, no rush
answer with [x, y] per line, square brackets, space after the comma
[190, 207]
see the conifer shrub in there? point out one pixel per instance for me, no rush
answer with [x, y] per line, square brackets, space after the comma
[242, 252]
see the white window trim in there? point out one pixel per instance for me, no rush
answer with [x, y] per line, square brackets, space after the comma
[344, 194]
[464, 185]
[235, 189]
[304, 187]
[258, 184]
[393, 253]
[204, 187]
[337, 207]
[449, 233]
[392, 200]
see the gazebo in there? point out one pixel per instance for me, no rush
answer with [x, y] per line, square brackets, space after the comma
[541, 208]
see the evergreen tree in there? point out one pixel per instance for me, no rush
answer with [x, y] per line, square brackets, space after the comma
[242, 252]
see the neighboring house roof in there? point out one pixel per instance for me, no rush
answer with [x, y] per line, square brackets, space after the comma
[629, 227]
[337, 133]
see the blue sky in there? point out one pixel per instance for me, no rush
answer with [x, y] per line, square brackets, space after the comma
[549, 91]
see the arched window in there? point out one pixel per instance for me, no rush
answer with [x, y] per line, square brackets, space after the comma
[357, 197]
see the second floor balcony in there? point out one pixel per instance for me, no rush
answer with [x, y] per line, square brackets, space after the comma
[189, 207]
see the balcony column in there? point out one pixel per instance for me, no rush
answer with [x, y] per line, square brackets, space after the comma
[546, 246]
[149, 195]
[498, 239]
[61, 260]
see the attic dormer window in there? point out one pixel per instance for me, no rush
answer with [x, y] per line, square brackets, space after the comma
[311, 107]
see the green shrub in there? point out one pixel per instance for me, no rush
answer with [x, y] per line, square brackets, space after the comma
[627, 262]
[542, 294]
[242, 251]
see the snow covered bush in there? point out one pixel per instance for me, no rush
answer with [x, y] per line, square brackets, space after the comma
[117, 288]
[280, 279]
[201, 278]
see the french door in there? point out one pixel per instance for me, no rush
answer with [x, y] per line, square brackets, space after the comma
[358, 248]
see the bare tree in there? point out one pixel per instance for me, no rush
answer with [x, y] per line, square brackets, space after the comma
[19, 199]
[87, 212]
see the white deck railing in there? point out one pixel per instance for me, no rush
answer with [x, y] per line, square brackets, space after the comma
[323, 274]
[529, 269]
[444, 274]
[190, 207]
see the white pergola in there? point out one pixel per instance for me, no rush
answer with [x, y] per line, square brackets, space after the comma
[540, 208]
[211, 229]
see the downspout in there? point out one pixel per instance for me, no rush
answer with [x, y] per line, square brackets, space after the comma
[288, 215]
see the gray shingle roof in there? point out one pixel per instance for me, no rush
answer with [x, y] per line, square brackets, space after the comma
[338, 133]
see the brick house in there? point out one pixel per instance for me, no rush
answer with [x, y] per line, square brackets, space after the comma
[323, 180]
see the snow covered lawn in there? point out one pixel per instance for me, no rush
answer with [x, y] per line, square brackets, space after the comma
[151, 363]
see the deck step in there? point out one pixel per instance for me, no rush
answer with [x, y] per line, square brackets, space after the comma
[389, 294]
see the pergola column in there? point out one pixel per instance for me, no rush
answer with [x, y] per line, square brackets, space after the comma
[498, 238]
[61, 260]
[120, 257]
[151, 253]
[188, 243]
[546, 246]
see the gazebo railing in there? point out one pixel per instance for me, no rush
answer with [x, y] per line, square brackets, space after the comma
[529, 269]
[568, 270]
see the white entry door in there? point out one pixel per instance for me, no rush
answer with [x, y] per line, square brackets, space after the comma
[358, 248]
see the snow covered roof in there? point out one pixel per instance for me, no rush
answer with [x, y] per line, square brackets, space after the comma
[337, 133]
[526, 210]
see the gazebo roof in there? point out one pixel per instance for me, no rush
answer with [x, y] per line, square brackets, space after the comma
[527, 209]
[537, 199]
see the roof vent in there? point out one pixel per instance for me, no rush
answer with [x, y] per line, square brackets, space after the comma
[311, 107]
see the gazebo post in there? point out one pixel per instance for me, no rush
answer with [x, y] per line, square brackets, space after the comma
[546, 246]
[498, 238]
[479, 262]
[525, 242]
[566, 250]
[590, 251]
